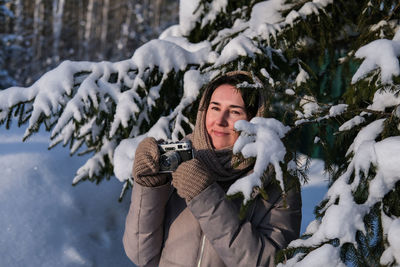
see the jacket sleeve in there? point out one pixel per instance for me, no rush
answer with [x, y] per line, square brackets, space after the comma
[247, 243]
[144, 231]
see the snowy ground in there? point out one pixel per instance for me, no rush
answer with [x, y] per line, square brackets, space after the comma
[46, 222]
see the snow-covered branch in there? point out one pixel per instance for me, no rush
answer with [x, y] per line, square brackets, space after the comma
[380, 54]
[260, 138]
[71, 98]
[373, 165]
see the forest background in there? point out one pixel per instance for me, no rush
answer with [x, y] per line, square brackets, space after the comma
[38, 34]
[331, 69]
[44, 220]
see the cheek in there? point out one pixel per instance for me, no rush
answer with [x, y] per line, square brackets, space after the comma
[208, 123]
[233, 121]
[235, 135]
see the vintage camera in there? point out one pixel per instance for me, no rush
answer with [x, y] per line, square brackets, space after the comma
[173, 154]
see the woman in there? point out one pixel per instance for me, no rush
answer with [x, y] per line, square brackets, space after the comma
[186, 219]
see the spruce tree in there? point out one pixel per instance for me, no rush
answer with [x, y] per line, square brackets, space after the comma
[328, 90]
[357, 223]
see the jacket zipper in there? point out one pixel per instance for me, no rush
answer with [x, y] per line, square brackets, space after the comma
[201, 250]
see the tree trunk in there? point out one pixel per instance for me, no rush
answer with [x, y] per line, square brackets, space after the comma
[104, 28]
[58, 10]
[38, 20]
[81, 29]
[88, 28]
[18, 22]
[157, 13]
[126, 27]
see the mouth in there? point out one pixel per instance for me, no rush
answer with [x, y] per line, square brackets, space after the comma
[218, 133]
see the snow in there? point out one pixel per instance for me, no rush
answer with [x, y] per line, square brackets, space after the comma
[393, 252]
[185, 44]
[93, 90]
[337, 110]
[309, 106]
[260, 138]
[47, 222]
[187, 15]
[312, 192]
[90, 168]
[124, 156]
[214, 9]
[239, 46]
[387, 160]
[327, 255]
[344, 218]
[168, 56]
[126, 110]
[381, 54]
[124, 153]
[266, 12]
[302, 77]
[265, 18]
[290, 92]
[292, 17]
[351, 123]
[384, 99]
[316, 172]
[368, 133]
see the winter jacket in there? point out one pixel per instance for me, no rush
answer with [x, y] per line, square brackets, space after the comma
[163, 230]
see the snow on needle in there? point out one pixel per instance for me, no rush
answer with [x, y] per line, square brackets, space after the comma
[260, 138]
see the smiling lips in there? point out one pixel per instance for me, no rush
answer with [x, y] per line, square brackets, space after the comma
[218, 133]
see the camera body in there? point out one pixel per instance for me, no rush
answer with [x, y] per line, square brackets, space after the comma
[173, 154]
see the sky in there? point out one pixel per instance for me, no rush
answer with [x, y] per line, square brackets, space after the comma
[48, 222]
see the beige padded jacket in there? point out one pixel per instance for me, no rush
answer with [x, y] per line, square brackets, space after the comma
[163, 230]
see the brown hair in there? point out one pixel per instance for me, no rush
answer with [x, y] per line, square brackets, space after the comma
[248, 86]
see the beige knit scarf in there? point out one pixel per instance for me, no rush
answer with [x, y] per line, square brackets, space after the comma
[223, 164]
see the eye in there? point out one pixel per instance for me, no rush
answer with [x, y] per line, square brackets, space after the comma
[236, 112]
[215, 108]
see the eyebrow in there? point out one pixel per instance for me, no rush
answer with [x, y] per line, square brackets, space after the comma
[231, 106]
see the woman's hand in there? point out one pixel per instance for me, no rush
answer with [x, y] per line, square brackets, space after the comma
[190, 178]
[146, 164]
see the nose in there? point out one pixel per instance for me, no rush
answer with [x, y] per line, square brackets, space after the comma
[222, 119]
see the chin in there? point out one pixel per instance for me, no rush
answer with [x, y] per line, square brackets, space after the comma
[222, 145]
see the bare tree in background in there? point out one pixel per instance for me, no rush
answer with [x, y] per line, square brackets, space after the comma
[50, 31]
[88, 28]
[58, 10]
[38, 20]
[104, 25]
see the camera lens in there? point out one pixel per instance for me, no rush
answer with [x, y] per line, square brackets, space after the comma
[169, 161]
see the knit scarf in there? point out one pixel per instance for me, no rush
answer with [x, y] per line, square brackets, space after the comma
[222, 164]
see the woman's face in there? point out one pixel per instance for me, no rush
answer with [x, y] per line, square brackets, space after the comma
[225, 108]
